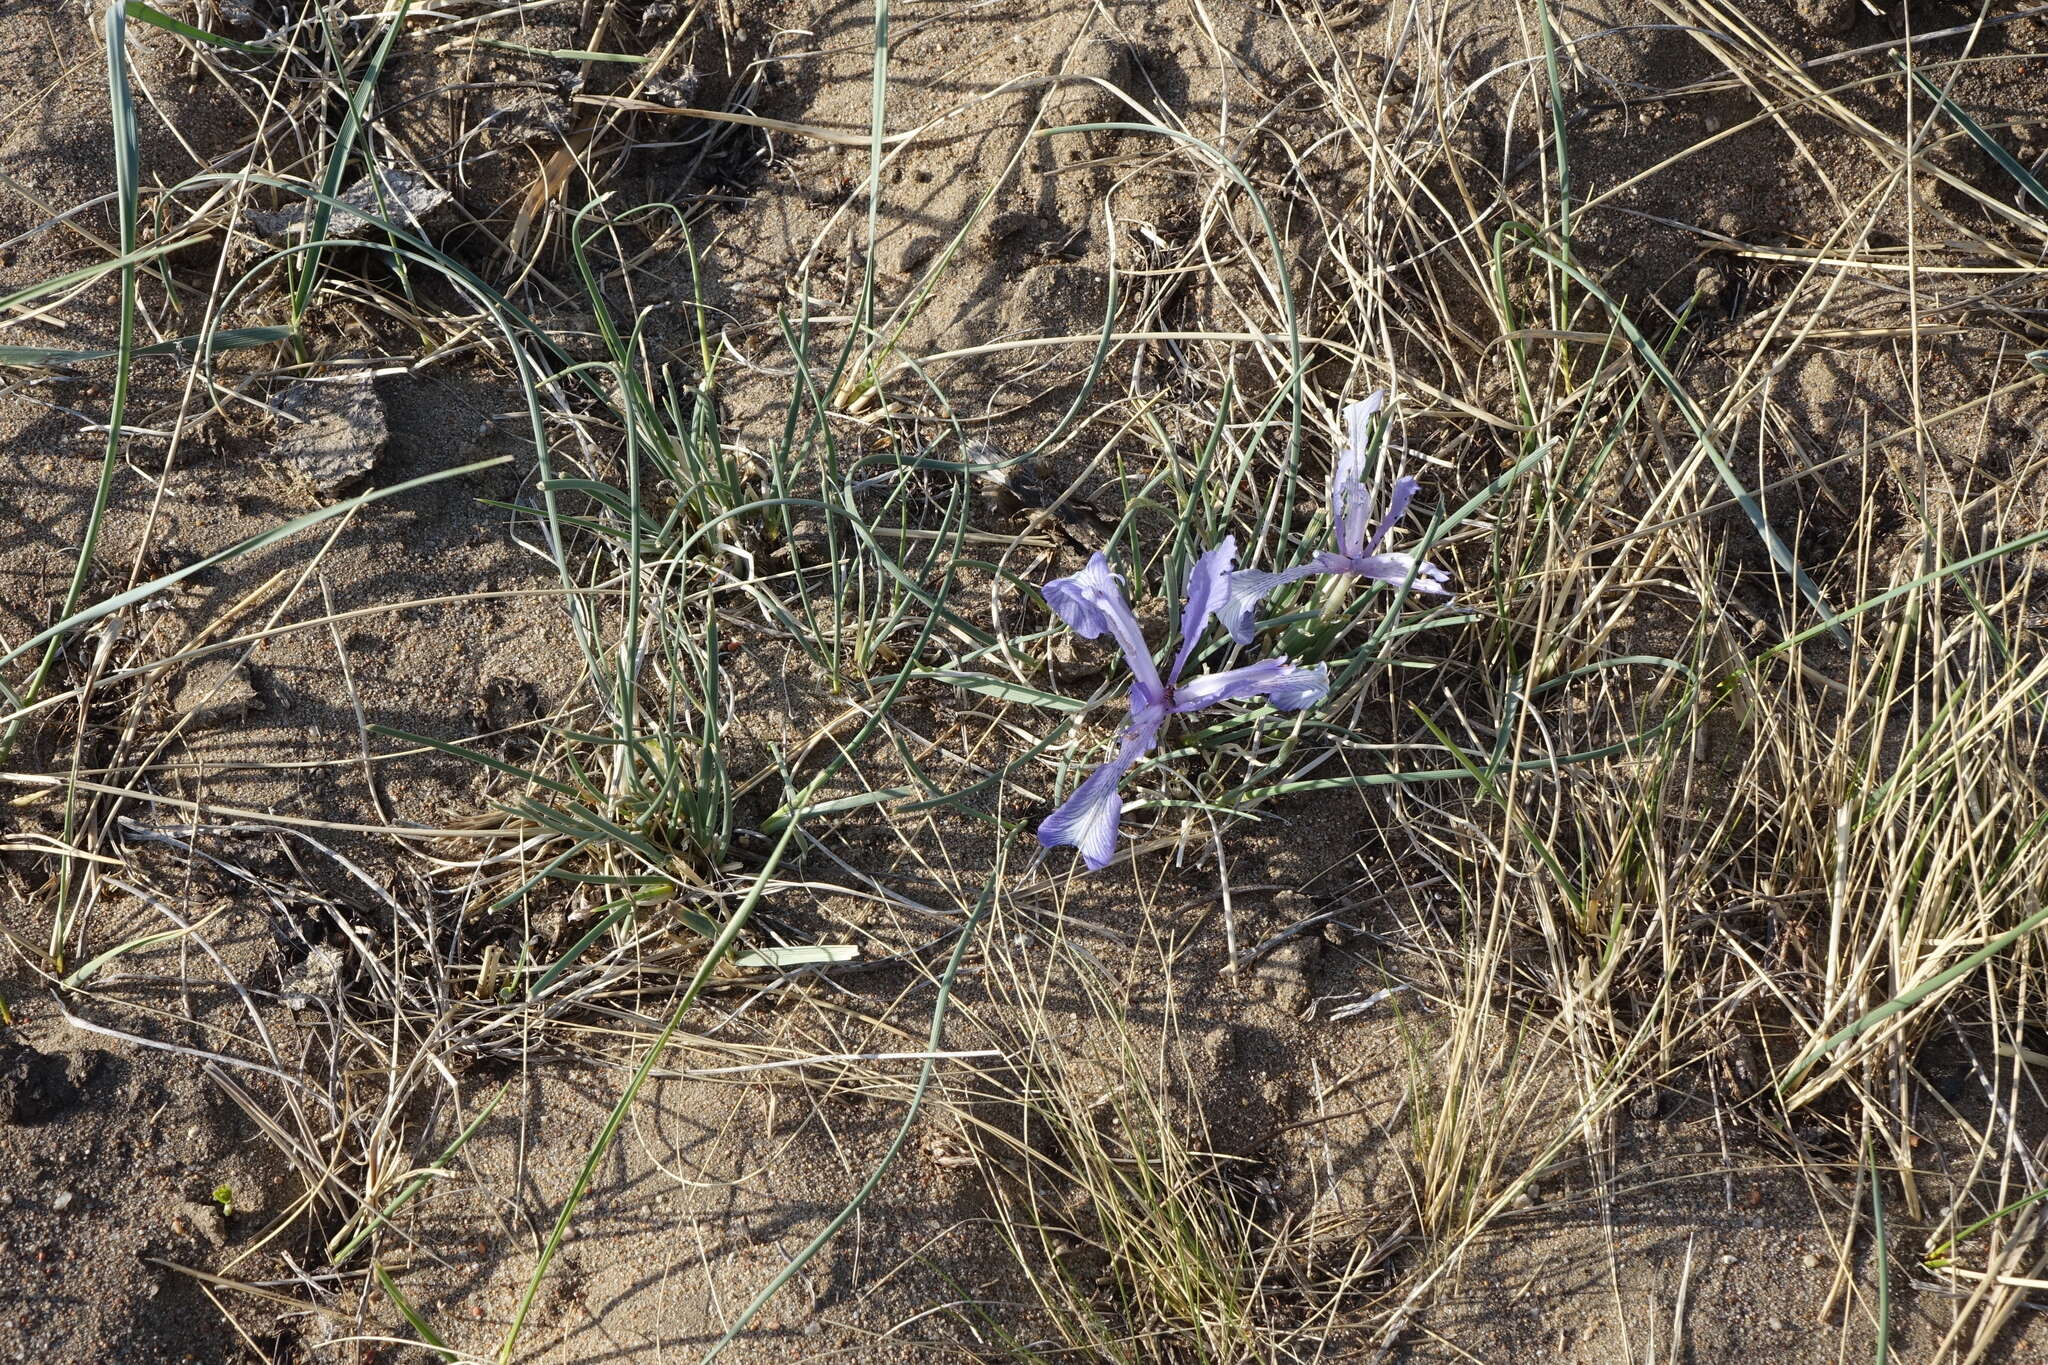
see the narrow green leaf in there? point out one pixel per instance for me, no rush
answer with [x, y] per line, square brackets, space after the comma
[2007, 162]
[1908, 998]
[145, 14]
[337, 163]
[1653, 360]
[412, 1314]
[418, 1182]
[473, 756]
[86, 274]
[1001, 689]
[236, 339]
[85, 973]
[837, 806]
[144, 591]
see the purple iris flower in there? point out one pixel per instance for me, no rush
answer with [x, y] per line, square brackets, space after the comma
[1350, 509]
[1092, 602]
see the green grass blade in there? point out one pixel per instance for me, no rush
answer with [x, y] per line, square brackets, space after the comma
[934, 1043]
[337, 165]
[86, 274]
[1780, 553]
[474, 756]
[858, 801]
[128, 194]
[414, 1186]
[1882, 1352]
[1906, 999]
[412, 1315]
[1932, 576]
[2007, 162]
[211, 343]
[86, 972]
[720, 949]
[145, 14]
[1003, 690]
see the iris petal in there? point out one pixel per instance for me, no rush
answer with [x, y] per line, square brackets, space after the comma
[1247, 589]
[1092, 602]
[1208, 590]
[1397, 507]
[1401, 569]
[1087, 820]
[1358, 433]
[1287, 685]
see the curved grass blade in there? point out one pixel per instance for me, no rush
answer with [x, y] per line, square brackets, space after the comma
[337, 165]
[412, 1315]
[1780, 553]
[418, 1183]
[145, 14]
[2007, 162]
[207, 343]
[934, 1043]
[128, 195]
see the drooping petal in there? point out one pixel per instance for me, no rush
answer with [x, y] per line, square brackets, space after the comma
[1248, 588]
[1397, 507]
[1092, 602]
[1402, 568]
[1208, 588]
[1088, 819]
[1300, 689]
[1281, 681]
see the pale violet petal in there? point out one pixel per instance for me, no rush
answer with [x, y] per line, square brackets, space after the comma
[1087, 820]
[1300, 689]
[1083, 600]
[1358, 437]
[1349, 505]
[1397, 507]
[1208, 588]
[1289, 686]
[1092, 602]
[1248, 587]
[1350, 510]
[1402, 568]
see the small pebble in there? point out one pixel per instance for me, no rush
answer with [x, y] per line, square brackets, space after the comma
[1810, 1261]
[1777, 1324]
[62, 1201]
[1728, 1258]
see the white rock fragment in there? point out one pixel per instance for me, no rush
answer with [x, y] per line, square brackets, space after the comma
[317, 978]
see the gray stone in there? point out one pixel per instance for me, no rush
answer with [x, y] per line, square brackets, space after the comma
[400, 198]
[332, 431]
